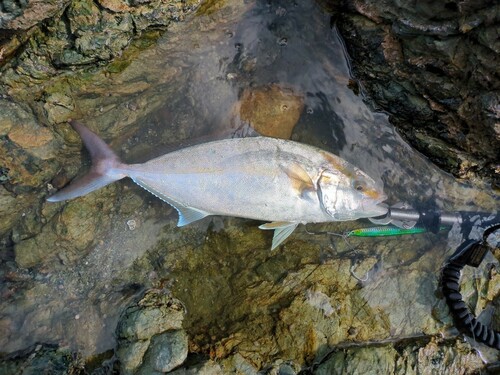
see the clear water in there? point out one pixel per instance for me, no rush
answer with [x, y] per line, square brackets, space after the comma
[183, 90]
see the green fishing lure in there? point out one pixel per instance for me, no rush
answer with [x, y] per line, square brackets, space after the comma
[384, 231]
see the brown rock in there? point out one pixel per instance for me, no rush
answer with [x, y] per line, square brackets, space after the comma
[115, 5]
[11, 209]
[271, 110]
[28, 136]
[12, 115]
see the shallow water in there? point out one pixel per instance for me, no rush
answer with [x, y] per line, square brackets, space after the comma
[183, 90]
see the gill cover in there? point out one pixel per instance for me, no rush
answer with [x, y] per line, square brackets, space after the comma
[337, 197]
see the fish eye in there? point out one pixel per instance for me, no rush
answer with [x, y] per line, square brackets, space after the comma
[359, 185]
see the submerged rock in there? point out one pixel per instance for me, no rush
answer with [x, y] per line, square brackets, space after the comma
[26, 148]
[12, 208]
[205, 368]
[272, 111]
[68, 233]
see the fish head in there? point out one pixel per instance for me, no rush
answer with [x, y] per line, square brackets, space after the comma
[349, 194]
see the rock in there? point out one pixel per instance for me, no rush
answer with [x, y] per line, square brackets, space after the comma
[22, 15]
[434, 357]
[205, 368]
[30, 137]
[26, 148]
[42, 359]
[318, 320]
[144, 323]
[88, 32]
[115, 5]
[281, 367]
[150, 335]
[360, 361]
[68, 234]
[59, 107]
[272, 110]
[166, 351]
[150, 318]
[131, 356]
[10, 115]
[12, 209]
[99, 35]
[19, 124]
[434, 69]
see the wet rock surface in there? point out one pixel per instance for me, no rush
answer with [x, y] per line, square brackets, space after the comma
[434, 68]
[22, 15]
[42, 360]
[272, 111]
[110, 281]
[150, 335]
[73, 33]
[433, 357]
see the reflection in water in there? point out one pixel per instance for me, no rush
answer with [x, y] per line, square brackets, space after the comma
[191, 82]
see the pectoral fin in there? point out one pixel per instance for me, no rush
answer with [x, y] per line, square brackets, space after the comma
[282, 229]
[299, 178]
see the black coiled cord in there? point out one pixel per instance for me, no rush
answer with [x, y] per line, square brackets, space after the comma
[470, 253]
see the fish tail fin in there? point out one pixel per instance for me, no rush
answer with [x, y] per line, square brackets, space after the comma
[106, 167]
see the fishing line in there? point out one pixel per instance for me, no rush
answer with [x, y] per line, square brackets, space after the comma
[354, 250]
[336, 234]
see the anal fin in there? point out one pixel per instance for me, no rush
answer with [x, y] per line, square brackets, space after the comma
[282, 230]
[187, 214]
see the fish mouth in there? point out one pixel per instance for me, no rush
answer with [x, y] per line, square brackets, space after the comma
[375, 207]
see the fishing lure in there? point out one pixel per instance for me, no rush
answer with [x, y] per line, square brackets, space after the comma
[384, 231]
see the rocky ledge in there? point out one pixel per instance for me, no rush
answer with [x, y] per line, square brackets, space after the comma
[434, 68]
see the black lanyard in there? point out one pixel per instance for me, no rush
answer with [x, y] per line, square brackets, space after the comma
[469, 253]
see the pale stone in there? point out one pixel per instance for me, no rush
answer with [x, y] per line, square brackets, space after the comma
[166, 351]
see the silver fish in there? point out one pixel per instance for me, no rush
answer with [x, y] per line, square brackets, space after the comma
[283, 182]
